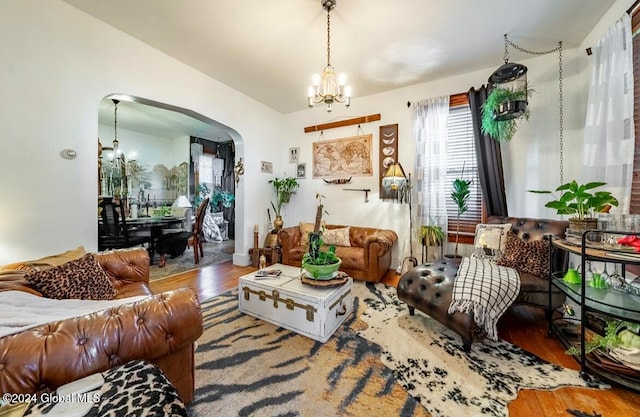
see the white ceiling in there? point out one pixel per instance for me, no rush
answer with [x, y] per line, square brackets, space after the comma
[269, 49]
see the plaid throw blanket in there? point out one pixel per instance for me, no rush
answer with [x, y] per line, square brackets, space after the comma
[485, 290]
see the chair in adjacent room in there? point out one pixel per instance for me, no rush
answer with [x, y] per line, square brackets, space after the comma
[113, 231]
[197, 237]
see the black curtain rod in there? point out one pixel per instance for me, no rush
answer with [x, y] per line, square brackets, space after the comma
[629, 11]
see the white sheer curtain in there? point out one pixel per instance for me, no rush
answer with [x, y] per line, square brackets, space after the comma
[609, 133]
[430, 133]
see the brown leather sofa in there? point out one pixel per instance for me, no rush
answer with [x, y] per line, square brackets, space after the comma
[161, 329]
[367, 259]
[429, 287]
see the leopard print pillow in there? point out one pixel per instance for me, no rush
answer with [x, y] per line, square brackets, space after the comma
[531, 257]
[82, 278]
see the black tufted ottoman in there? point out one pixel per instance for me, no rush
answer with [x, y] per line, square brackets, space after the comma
[428, 288]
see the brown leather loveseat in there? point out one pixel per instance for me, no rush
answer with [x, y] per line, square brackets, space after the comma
[367, 258]
[429, 287]
[160, 328]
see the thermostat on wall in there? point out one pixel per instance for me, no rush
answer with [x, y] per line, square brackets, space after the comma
[68, 154]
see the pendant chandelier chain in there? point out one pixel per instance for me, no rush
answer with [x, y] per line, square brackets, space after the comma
[328, 38]
[558, 49]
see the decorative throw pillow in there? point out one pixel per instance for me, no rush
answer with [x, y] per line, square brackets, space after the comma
[305, 229]
[531, 257]
[82, 278]
[490, 241]
[338, 237]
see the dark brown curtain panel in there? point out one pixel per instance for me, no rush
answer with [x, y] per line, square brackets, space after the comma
[489, 158]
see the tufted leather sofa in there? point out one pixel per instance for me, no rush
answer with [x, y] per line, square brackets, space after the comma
[367, 259]
[429, 287]
[161, 328]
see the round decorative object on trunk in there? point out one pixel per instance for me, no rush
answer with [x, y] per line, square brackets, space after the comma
[322, 272]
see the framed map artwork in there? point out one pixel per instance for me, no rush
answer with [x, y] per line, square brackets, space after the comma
[345, 157]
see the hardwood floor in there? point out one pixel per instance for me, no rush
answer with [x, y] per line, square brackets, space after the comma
[523, 326]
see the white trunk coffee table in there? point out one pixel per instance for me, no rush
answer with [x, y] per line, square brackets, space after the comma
[285, 301]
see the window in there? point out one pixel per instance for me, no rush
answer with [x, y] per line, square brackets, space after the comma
[461, 155]
[205, 170]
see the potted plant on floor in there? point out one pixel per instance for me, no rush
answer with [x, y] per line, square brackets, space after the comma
[320, 264]
[460, 195]
[578, 201]
[284, 189]
[431, 235]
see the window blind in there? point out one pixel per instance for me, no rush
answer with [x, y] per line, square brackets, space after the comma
[461, 155]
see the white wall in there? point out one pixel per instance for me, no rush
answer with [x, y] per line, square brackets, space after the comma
[57, 63]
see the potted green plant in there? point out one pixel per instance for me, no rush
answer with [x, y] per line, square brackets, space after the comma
[460, 195]
[321, 264]
[284, 189]
[578, 201]
[431, 235]
[220, 199]
[501, 130]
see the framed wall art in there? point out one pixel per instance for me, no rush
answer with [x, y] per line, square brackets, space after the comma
[388, 153]
[345, 157]
[301, 171]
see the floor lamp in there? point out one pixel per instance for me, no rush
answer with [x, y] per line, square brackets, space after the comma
[399, 184]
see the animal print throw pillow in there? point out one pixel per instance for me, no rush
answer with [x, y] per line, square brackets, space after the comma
[82, 278]
[531, 257]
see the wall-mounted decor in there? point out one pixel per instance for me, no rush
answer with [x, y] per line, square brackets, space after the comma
[350, 156]
[293, 155]
[266, 167]
[301, 171]
[388, 154]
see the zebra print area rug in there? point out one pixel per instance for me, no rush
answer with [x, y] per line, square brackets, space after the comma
[429, 362]
[247, 367]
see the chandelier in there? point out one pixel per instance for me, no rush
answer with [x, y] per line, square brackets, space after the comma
[328, 86]
[116, 143]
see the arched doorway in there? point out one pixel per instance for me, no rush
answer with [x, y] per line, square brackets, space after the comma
[155, 139]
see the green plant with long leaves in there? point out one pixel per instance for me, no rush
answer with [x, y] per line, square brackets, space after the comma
[460, 194]
[284, 189]
[431, 234]
[578, 201]
[501, 130]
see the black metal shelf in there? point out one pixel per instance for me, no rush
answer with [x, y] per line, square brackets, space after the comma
[594, 302]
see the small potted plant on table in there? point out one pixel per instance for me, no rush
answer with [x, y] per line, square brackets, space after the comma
[320, 264]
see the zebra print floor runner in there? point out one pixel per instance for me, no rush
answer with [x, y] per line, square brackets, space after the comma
[247, 367]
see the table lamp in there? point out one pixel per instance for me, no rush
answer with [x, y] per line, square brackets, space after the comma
[181, 202]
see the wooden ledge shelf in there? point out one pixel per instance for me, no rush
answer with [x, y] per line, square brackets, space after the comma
[342, 123]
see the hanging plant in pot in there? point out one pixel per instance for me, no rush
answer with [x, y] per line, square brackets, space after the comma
[579, 202]
[492, 125]
[319, 263]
